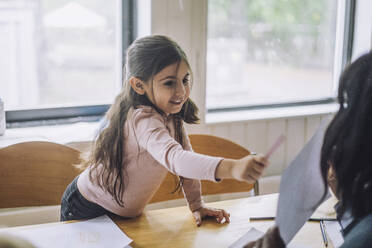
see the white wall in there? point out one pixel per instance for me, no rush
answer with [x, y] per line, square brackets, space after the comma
[185, 22]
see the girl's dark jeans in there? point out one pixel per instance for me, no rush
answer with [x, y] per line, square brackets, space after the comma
[75, 207]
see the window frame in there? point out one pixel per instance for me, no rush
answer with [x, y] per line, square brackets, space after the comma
[62, 115]
[343, 56]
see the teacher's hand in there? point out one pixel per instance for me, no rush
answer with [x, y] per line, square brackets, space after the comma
[271, 239]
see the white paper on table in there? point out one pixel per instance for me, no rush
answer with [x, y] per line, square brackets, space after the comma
[301, 187]
[333, 229]
[99, 232]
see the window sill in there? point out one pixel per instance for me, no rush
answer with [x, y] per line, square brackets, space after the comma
[62, 134]
[272, 113]
[86, 131]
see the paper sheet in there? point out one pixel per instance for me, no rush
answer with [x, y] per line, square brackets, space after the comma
[99, 232]
[301, 187]
[333, 230]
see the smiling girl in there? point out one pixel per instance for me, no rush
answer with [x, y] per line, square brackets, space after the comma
[144, 138]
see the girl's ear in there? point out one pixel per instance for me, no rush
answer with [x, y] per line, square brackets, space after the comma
[137, 85]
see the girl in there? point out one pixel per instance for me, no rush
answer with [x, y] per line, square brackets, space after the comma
[346, 159]
[144, 138]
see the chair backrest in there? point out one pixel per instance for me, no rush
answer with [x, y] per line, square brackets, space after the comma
[213, 146]
[35, 173]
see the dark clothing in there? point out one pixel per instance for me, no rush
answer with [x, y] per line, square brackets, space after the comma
[346, 220]
[360, 235]
[75, 207]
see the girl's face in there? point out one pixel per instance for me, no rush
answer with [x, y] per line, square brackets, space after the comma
[170, 88]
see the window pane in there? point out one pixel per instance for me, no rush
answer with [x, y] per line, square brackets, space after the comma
[59, 53]
[269, 51]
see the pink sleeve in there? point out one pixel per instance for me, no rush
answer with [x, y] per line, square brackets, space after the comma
[153, 136]
[192, 187]
[192, 192]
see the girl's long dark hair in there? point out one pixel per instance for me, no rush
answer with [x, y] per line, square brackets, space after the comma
[347, 145]
[145, 57]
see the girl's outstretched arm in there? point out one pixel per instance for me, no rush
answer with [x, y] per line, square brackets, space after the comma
[154, 137]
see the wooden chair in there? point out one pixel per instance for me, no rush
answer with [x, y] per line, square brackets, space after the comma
[35, 173]
[213, 146]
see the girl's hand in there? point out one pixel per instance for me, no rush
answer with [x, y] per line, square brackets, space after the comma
[271, 239]
[218, 214]
[248, 169]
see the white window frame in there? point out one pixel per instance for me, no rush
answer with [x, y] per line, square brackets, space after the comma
[52, 116]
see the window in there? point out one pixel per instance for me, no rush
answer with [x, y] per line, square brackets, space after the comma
[271, 52]
[61, 58]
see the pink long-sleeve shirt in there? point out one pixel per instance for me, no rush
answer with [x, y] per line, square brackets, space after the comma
[150, 152]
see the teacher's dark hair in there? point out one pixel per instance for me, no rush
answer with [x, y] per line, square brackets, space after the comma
[347, 145]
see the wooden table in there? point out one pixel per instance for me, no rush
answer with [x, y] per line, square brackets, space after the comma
[175, 227]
